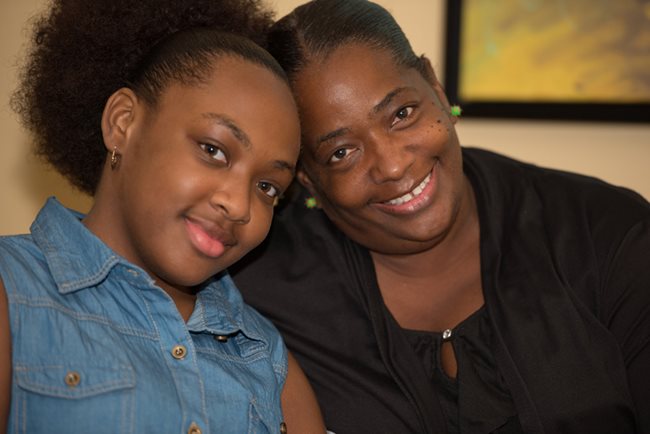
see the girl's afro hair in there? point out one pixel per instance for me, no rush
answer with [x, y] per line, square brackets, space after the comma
[83, 51]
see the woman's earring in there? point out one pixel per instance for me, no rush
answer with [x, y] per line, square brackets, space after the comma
[115, 158]
[455, 110]
[310, 202]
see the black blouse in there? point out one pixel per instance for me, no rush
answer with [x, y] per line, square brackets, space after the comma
[565, 269]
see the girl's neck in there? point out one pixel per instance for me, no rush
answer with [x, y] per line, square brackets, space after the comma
[107, 225]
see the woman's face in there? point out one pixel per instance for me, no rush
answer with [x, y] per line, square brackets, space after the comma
[380, 151]
[200, 172]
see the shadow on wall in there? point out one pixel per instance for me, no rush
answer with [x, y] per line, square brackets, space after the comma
[42, 181]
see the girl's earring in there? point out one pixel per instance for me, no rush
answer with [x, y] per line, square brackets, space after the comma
[455, 110]
[115, 158]
[311, 202]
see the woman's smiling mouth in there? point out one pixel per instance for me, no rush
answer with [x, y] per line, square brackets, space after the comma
[419, 197]
[411, 194]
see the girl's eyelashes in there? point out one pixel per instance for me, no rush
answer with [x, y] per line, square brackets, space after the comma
[268, 189]
[214, 152]
[404, 113]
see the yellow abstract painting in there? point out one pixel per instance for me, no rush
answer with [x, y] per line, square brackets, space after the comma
[555, 50]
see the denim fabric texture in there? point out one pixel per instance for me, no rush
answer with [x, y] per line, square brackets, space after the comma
[97, 347]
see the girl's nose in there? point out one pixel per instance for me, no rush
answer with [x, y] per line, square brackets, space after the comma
[233, 201]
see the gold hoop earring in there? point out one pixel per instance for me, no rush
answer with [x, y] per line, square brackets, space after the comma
[115, 158]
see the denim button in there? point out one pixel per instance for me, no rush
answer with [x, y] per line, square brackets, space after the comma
[283, 428]
[221, 338]
[72, 378]
[194, 429]
[179, 352]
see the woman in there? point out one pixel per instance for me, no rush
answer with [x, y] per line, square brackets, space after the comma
[185, 132]
[441, 289]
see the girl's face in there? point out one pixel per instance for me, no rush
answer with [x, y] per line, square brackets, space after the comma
[200, 172]
[380, 151]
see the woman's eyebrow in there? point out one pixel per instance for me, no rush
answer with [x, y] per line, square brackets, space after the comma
[331, 135]
[387, 99]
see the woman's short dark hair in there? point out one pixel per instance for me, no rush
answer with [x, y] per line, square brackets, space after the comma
[315, 29]
[83, 51]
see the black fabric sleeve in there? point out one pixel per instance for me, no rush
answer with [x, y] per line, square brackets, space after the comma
[626, 310]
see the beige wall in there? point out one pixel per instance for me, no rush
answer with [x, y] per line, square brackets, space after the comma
[617, 153]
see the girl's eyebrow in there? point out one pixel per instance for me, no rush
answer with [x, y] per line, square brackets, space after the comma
[284, 165]
[236, 131]
[243, 138]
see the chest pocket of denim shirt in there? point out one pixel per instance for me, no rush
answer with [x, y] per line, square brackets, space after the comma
[73, 399]
[240, 377]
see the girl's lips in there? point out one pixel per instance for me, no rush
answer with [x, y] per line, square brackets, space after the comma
[204, 240]
[414, 200]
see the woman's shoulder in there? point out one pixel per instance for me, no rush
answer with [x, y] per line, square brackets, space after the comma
[512, 182]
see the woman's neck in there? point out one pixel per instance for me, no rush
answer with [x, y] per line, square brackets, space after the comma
[439, 287]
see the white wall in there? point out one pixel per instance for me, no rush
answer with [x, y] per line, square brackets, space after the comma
[617, 153]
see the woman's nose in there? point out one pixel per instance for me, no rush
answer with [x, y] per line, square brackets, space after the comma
[391, 160]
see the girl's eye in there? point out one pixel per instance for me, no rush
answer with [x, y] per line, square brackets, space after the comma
[338, 155]
[214, 152]
[402, 114]
[268, 189]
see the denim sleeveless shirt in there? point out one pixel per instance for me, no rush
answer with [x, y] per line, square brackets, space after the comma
[99, 348]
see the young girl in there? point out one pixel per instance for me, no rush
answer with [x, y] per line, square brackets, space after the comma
[186, 134]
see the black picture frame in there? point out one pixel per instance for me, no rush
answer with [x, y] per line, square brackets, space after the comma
[571, 111]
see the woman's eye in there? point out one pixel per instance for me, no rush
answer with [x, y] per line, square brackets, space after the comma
[268, 189]
[338, 155]
[214, 152]
[402, 114]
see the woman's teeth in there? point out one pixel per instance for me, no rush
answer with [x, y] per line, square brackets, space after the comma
[411, 194]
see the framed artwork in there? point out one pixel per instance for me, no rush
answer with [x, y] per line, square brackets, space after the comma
[549, 59]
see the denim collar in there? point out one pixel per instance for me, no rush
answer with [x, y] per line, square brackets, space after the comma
[219, 309]
[78, 260]
[76, 257]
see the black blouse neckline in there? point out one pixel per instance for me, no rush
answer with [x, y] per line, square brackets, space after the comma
[477, 399]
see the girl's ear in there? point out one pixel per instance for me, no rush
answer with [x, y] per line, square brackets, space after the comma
[117, 119]
[430, 76]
